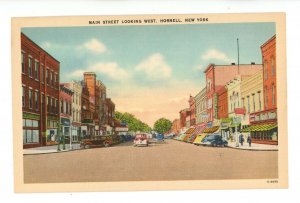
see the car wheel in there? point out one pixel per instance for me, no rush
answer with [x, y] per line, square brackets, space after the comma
[87, 146]
[106, 144]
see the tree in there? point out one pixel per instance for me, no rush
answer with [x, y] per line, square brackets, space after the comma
[162, 125]
[133, 123]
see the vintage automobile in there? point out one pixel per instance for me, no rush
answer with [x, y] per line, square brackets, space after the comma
[140, 140]
[99, 141]
[214, 140]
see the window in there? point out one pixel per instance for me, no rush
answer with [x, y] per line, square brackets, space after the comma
[30, 67]
[273, 94]
[42, 73]
[248, 100]
[30, 131]
[259, 100]
[36, 100]
[243, 102]
[57, 108]
[23, 62]
[47, 76]
[266, 100]
[23, 96]
[273, 66]
[253, 99]
[266, 70]
[61, 106]
[48, 103]
[36, 70]
[51, 78]
[30, 99]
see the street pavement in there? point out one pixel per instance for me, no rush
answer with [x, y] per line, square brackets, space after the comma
[171, 160]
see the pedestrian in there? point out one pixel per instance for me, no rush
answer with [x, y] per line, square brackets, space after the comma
[249, 140]
[241, 139]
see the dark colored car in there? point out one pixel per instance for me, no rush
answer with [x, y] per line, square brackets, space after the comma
[214, 140]
[100, 141]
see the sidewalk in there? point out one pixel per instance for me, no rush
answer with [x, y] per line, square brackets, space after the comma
[254, 146]
[50, 149]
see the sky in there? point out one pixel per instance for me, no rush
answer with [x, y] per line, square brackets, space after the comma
[150, 71]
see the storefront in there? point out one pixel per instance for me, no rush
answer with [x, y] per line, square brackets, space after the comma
[65, 125]
[52, 132]
[31, 130]
[224, 128]
[263, 133]
[75, 132]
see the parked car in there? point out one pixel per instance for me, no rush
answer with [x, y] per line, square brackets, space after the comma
[214, 140]
[140, 140]
[199, 139]
[99, 141]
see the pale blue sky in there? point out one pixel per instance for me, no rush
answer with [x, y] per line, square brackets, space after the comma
[148, 57]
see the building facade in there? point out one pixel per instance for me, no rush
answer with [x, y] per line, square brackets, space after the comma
[102, 95]
[86, 113]
[110, 114]
[200, 101]
[65, 96]
[40, 94]
[184, 113]
[76, 87]
[217, 76]
[175, 126]
[222, 103]
[192, 105]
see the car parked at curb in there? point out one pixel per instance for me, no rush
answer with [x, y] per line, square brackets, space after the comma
[100, 141]
[214, 140]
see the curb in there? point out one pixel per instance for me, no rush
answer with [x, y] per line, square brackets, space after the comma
[52, 152]
[252, 149]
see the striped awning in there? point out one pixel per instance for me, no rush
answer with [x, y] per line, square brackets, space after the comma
[211, 130]
[189, 131]
[199, 129]
[257, 128]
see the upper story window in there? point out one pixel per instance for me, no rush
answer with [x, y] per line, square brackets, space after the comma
[266, 70]
[30, 99]
[30, 66]
[273, 66]
[23, 62]
[23, 96]
[42, 73]
[36, 70]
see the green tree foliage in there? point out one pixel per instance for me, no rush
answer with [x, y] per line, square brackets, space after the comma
[162, 125]
[133, 123]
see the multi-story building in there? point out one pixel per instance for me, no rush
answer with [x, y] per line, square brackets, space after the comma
[217, 76]
[200, 100]
[87, 122]
[40, 94]
[252, 96]
[110, 114]
[175, 126]
[102, 95]
[222, 103]
[192, 105]
[65, 96]
[76, 87]
[263, 124]
[184, 114]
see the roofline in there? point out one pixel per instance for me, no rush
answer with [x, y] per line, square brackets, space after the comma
[40, 47]
[264, 44]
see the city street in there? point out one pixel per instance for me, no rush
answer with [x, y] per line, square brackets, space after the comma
[172, 160]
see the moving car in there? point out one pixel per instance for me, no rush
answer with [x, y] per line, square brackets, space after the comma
[140, 140]
[214, 140]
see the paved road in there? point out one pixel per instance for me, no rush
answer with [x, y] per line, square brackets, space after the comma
[173, 160]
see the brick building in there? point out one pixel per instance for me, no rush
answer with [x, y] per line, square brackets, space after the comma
[175, 126]
[222, 103]
[109, 114]
[86, 114]
[184, 113]
[217, 76]
[40, 94]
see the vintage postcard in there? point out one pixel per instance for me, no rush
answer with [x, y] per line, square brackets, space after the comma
[149, 102]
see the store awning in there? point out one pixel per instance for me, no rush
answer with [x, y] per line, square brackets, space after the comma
[189, 131]
[199, 129]
[257, 128]
[211, 130]
[225, 123]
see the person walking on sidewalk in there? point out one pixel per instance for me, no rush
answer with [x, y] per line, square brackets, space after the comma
[241, 139]
[249, 140]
